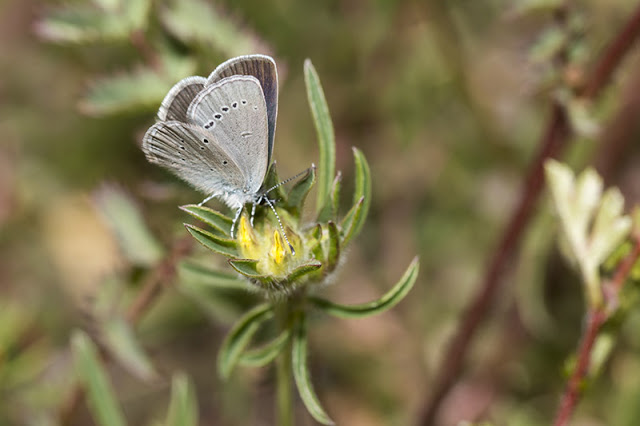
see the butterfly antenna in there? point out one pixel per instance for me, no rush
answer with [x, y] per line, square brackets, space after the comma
[284, 234]
[313, 166]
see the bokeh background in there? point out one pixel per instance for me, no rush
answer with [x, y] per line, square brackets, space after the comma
[447, 100]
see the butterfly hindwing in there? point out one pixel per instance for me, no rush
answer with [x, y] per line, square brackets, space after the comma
[176, 103]
[233, 110]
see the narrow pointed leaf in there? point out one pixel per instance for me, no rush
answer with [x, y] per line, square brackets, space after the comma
[350, 221]
[301, 375]
[82, 24]
[204, 276]
[302, 270]
[240, 336]
[183, 408]
[125, 220]
[300, 190]
[262, 356]
[387, 301]
[362, 190]
[102, 401]
[213, 242]
[123, 345]
[324, 129]
[214, 219]
[247, 267]
[330, 208]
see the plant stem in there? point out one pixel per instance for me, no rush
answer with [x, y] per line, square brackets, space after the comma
[284, 373]
[553, 140]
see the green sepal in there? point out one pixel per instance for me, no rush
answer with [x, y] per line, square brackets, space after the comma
[301, 374]
[299, 191]
[103, 404]
[265, 354]
[183, 407]
[303, 270]
[387, 301]
[324, 129]
[333, 246]
[273, 179]
[213, 242]
[330, 209]
[248, 268]
[240, 336]
[214, 219]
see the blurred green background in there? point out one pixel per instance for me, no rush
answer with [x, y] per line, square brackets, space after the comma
[447, 101]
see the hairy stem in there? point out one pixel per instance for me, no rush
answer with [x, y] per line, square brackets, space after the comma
[284, 374]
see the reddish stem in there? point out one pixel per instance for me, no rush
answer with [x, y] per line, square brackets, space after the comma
[596, 317]
[553, 140]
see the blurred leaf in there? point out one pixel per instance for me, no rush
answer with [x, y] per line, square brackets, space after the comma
[82, 24]
[204, 276]
[386, 302]
[213, 242]
[301, 375]
[102, 400]
[214, 219]
[124, 346]
[125, 220]
[222, 304]
[143, 88]
[330, 209]
[262, 356]
[324, 128]
[550, 43]
[198, 21]
[239, 337]
[183, 408]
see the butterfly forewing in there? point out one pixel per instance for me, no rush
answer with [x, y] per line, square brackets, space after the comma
[194, 156]
[233, 110]
[264, 69]
[176, 103]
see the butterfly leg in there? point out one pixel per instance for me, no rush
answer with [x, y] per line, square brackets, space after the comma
[235, 220]
[207, 199]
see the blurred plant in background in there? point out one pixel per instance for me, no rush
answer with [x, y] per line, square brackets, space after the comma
[448, 100]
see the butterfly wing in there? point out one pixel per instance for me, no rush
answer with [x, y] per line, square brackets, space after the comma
[193, 155]
[233, 110]
[175, 104]
[264, 69]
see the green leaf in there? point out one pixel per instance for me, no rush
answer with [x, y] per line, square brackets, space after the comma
[123, 345]
[362, 192]
[213, 242]
[348, 224]
[198, 21]
[247, 267]
[82, 24]
[300, 190]
[141, 89]
[262, 356]
[214, 219]
[330, 209]
[324, 128]
[301, 375]
[387, 301]
[183, 408]
[102, 400]
[240, 336]
[125, 220]
[205, 276]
